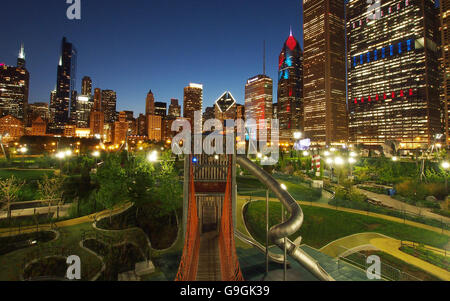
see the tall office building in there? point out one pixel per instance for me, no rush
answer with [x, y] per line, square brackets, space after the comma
[14, 87]
[174, 108]
[225, 107]
[393, 76]
[38, 109]
[109, 103]
[73, 106]
[209, 113]
[192, 102]
[445, 40]
[150, 104]
[83, 110]
[290, 89]
[97, 118]
[86, 86]
[120, 129]
[65, 84]
[161, 109]
[259, 99]
[324, 89]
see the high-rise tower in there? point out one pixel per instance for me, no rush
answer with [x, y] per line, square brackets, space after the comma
[290, 89]
[65, 84]
[192, 102]
[324, 90]
[86, 86]
[393, 74]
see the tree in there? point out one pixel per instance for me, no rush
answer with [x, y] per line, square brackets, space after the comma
[112, 180]
[51, 190]
[9, 189]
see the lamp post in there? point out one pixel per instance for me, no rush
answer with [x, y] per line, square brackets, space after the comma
[283, 186]
[96, 154]
[338, 161]
[23, 150]
[445, 165]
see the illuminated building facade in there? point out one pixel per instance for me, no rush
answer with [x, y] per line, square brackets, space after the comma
[38, 127]
[445, 40]
[120, 129]
[290, 89]
[86, 86]
[14, 87]
[83, 110]
[174, 108]
[97, 118]
[65, 84]
[192, 102]
[161, 109]
[109, 102]
[150, 104]
[324, 88]
[38, 109]
[393, 76]
[258, 99]
[13, 126]
[225, 107]
[154, 127]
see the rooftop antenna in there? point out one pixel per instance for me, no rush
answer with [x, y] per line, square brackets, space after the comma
[264, 57]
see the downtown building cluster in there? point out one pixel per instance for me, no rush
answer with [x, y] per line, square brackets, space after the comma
[370, 73]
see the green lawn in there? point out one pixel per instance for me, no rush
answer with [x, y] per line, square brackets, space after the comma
[25, 174]
[249, 185]
[323, 225]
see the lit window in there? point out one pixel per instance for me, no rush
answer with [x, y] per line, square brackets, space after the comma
[361, 59]
[375, 54]
[383, 52]
[391, 49]
[368, 57]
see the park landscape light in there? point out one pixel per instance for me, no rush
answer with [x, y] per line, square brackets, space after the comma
[351, 160]
[68, 153]
[445, 165]
[329, 161]
[332, 149]
[23, 150]
[216, 157]
[259, 155]
[96, 154]
[60, 155]
[153, 156]
[326, 153]
[305, 153]
[338, 160]
[394, 159]
[297, 135]
[352, 154]
[283, 187]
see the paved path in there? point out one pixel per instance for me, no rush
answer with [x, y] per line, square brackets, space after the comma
[63, 211]
[382, 216]
[399, 205]
[375, 241]
[71, 222]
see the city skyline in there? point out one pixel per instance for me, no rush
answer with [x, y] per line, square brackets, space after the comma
[247, 35]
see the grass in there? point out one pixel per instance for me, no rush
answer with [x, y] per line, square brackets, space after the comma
[25, 174]
[299, 190]
[323, 225]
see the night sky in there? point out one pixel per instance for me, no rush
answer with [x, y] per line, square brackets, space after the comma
[136, 45]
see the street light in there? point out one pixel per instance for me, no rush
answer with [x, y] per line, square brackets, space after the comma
[23, 150]
[338, 161]
[259, 155]
[305, 153]
[445, 165]
[353, 154]
[283, 187]
[297, 135]
[394, 159]
[326, 153]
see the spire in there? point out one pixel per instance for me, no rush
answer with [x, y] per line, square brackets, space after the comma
[290, 31]
[22, 52]
[60, 61]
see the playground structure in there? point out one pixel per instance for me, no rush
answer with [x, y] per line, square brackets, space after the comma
[209, 211]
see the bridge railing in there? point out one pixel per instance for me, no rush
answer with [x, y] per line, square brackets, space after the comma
[229, 262]
[187, 270]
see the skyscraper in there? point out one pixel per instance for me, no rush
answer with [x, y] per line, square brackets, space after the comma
[225, 107]
[259, 99]
[161, 109]
[83, 110]
[174, 108]
[324, 90]
[393, 75]
[150, 103]
[14, 87]
[290, 89]
[192, 102]
[445, 40]
[65, 84]
[97, 118]
[109, 102]
[86, 86]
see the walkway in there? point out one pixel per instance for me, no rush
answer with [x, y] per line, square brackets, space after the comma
[71, 222]
[208, 259]
[399, 205]
[375, 241]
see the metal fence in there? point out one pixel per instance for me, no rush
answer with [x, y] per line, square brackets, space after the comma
[388, 272]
